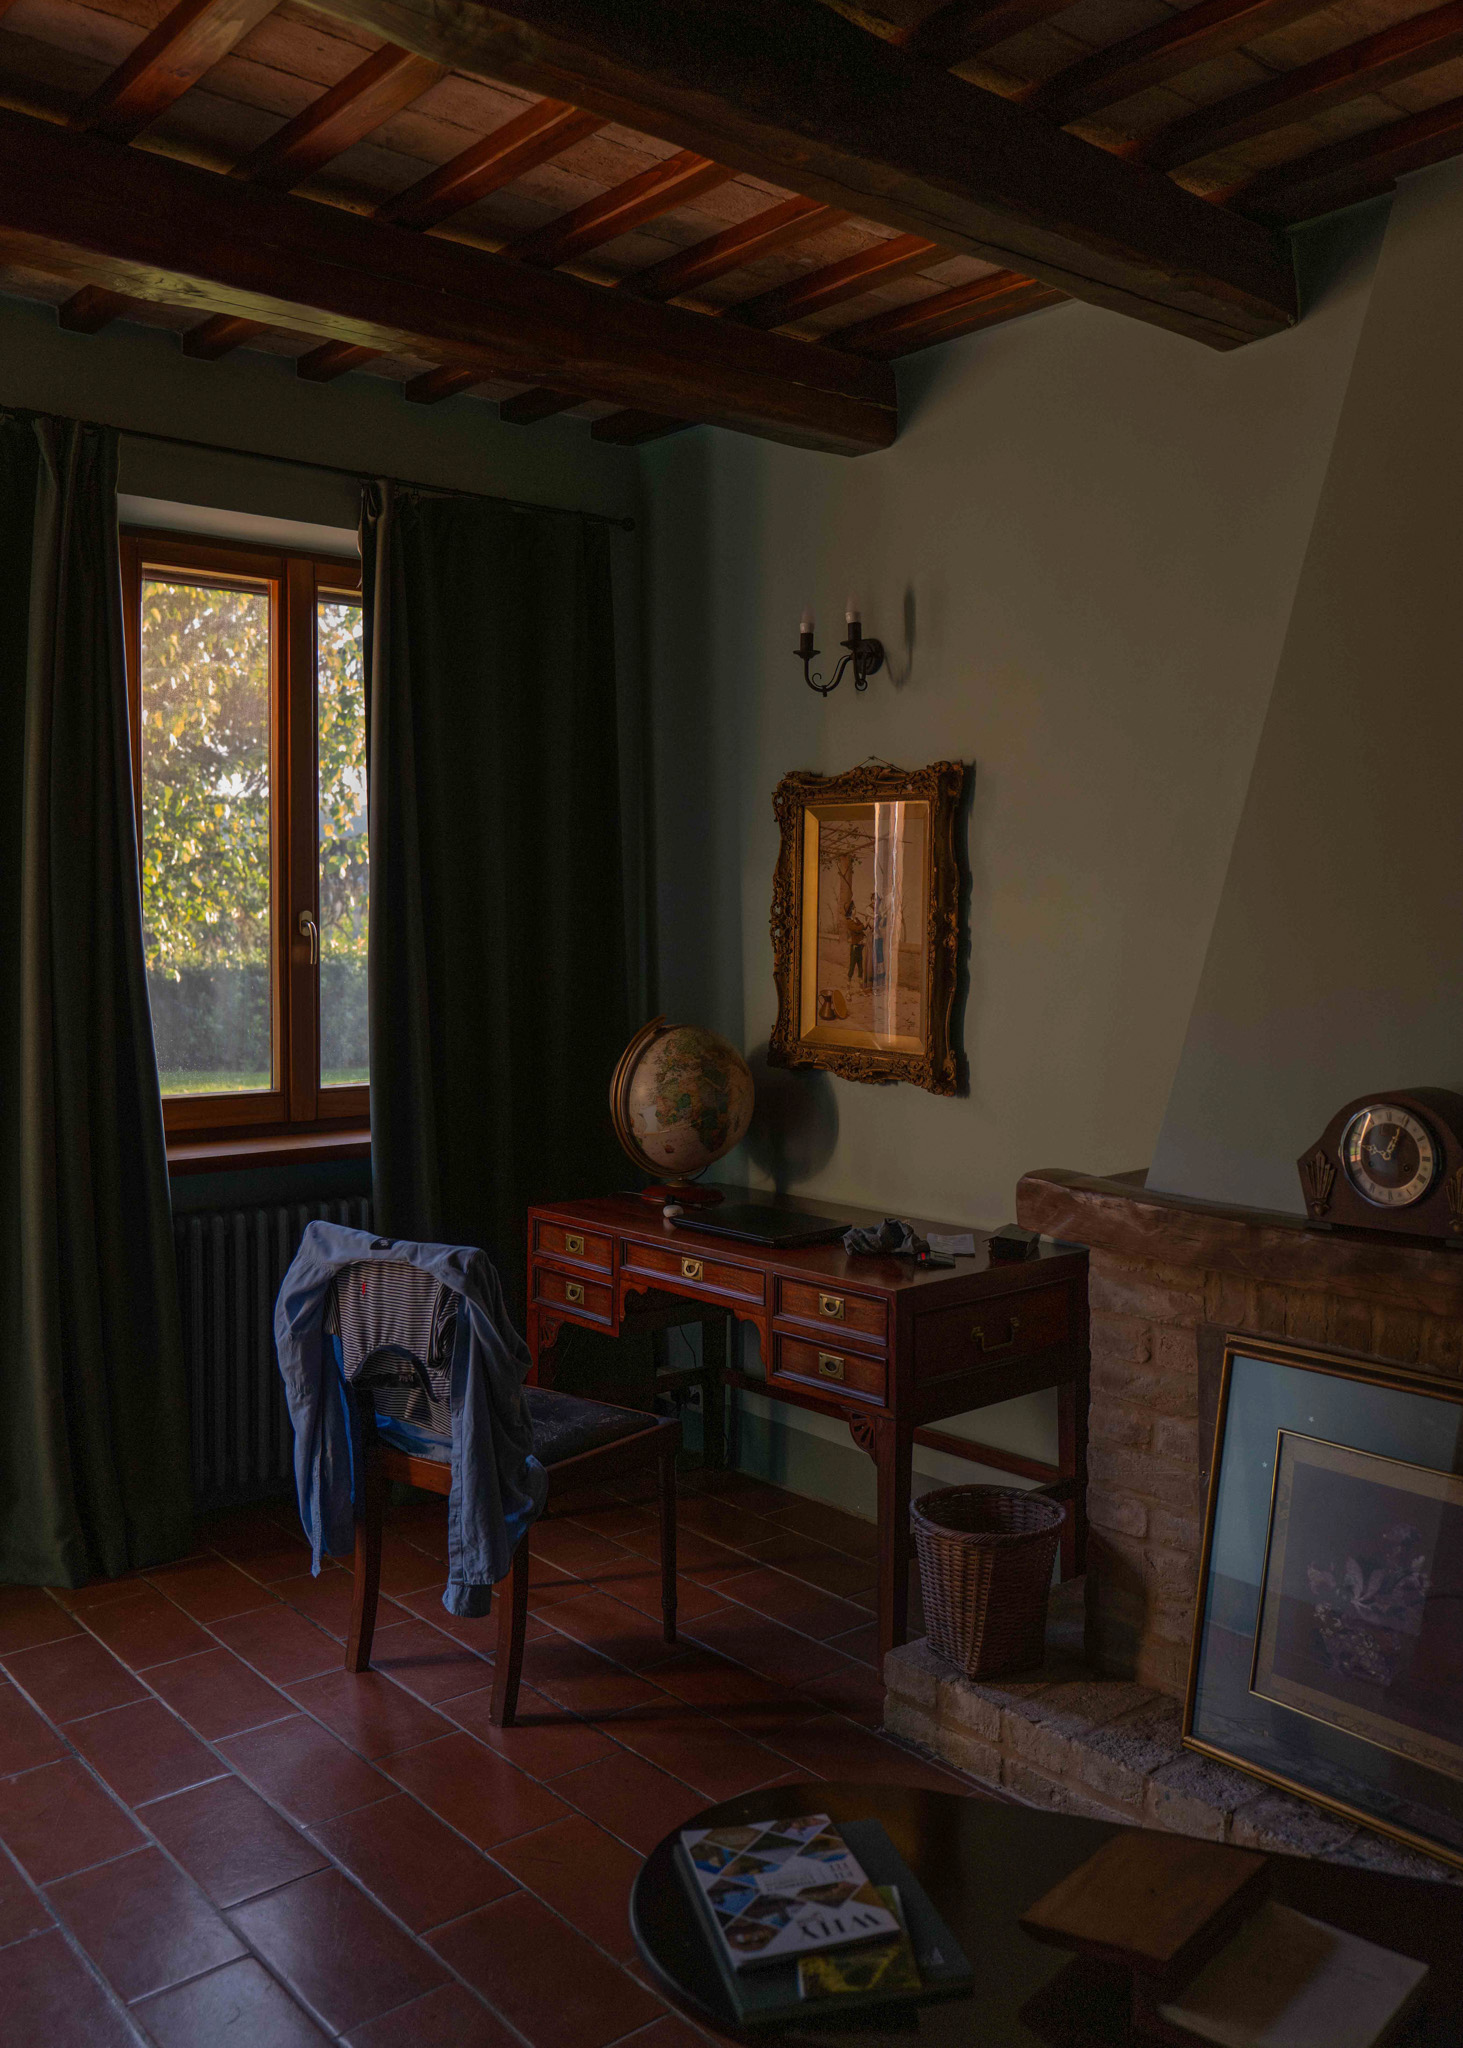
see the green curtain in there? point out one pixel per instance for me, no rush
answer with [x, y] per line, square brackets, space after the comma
[498, 970]
[94, 1448]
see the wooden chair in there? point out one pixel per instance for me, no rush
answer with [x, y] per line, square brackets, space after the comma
[579, 1443]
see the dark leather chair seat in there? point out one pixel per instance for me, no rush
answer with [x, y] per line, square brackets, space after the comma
[564, 1426]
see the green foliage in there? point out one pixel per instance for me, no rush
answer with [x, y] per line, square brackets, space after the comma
[205, 778]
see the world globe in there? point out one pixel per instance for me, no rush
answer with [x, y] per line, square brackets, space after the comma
[681, 1098]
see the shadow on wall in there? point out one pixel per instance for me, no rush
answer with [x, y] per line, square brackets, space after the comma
[795, 1124]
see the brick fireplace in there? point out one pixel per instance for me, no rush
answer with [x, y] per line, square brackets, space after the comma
[1096, 1730]
[1170, 1279]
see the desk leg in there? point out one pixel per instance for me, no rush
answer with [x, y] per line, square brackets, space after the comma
[1072, 1459]
[893, 1453]
[713, 1393]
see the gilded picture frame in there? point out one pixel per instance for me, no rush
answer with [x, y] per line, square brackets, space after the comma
[866, 923]
[1327, 1654]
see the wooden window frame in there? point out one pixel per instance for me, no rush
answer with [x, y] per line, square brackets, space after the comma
[296, 1103]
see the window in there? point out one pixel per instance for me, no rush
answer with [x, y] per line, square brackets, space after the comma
[246, 679]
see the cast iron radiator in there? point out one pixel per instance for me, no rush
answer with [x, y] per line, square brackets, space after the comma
[230, 1265]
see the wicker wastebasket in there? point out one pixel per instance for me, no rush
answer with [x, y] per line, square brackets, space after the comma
[985, 1565]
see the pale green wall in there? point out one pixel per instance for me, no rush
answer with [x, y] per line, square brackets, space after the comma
[1336, 965]
[1082, 553]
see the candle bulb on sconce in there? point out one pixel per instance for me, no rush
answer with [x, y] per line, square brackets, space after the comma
[866, 657]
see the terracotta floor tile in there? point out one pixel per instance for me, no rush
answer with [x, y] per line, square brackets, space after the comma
[305, 1769]
[449, 2018]
[703, 1752]
[48, 1995]
[258, 1545]
[28, 1615]
[543, 1977]
[418, 1868]
[638, 1585]
[280, 1644]
[583, 1872]
[369, 1712]
[427, 1662]
[407, 1569]
[849, 1533]
[99, 1593]
[57, 1819]
[796, 1605]
[632, 1798]
[143, 1924]
[863, 1644]
[73, 1677]
[753, 1496]
[22, 1909]
[227, 1839]
[475, 1790]
[218, 1695]
[574, 1549]
[582, 1680]
[25, 1739]
[671, 2032]
[211, 1589]
[326, 1601]
[545, 1740]
[766, 1647]
[696, 1554]
[336, 1951]
[723, 1523]
[143, 1751]
[615, 1630]
[850, 1578]
[477, 1632]
[619, 1521]
[852, 1689]
[147, 1629]
[702, 1678]
[237, 2007]
[838, 1749]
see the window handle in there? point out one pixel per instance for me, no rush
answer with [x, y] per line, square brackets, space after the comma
[311, 931]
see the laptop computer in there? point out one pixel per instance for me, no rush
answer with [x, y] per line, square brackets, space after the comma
[760, 1223]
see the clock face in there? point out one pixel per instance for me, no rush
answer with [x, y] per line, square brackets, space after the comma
[1390, 1156]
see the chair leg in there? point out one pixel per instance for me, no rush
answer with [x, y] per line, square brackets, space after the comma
[368, 1570]
[508, 1656]
[668, 1537]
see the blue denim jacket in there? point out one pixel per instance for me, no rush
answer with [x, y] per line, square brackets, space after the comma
[498, 1486]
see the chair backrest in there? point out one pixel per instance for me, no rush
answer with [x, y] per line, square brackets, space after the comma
[394, 1326]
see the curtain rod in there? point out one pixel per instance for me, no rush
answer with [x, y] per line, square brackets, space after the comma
[359, 476]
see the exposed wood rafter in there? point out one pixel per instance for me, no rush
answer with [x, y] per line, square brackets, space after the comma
[1375, 62]
[1154, 55]
[1355, 169]
[966, 27]
[963, 309]
[148, 226]
[817, 290]
[884, 135]
[166, 63]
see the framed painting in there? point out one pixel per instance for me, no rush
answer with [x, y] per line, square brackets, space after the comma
[1328, 1640]
[865, 923]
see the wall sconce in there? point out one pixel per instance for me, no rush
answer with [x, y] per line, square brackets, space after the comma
[865, 656]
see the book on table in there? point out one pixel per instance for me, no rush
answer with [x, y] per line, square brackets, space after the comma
[803, 1910]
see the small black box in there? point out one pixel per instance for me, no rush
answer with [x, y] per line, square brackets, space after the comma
[1011, 1243]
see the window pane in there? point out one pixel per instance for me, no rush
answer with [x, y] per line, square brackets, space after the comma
[340, 713]
[205, 834]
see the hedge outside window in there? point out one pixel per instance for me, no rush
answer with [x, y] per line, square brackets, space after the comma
[246, 683]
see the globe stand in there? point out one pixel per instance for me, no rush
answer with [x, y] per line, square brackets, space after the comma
[688, 1193]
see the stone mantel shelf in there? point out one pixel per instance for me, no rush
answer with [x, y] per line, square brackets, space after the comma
[1129, 1221]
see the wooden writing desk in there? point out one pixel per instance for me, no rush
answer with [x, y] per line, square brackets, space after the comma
[889, 1347]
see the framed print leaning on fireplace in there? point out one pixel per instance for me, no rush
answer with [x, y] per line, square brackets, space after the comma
[865, 923]
[1328, 1640]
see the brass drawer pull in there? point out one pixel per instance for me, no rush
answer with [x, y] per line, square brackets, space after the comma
[573, 1243]
[831, 1306]
[574, 1292]
[830, 1365]
[690, 1269]
[1006, 1343]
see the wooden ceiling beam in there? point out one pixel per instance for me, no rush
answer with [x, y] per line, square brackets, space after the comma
[443, 382]
[850, 278]
[661, 189]
[186, 43]
[1395, 53]
[633, 429]
[966, 28]
[534, 137]
[147, 225]
[965, 307]
[379, 88]
[793, 220]
[1358, 168]
[789, 91]
[1154, 55]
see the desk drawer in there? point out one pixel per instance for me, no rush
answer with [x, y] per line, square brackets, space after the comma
[692, 1271]
[984, 1332]
[821, 1368]
[560, 1241]
[833, 1309]
[577, 1297]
